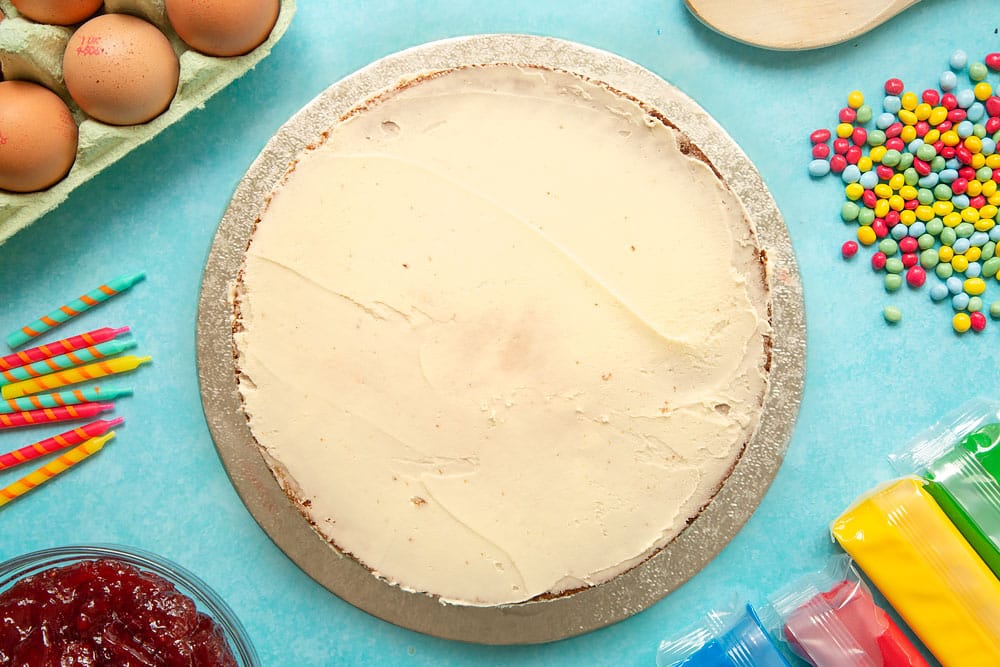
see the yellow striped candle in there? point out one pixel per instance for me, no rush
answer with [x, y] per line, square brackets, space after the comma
[52, 468]
[72, 376]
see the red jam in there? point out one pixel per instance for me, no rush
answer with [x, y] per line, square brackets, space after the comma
[105, 612]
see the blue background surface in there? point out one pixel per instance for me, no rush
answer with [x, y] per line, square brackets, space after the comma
[161, 486]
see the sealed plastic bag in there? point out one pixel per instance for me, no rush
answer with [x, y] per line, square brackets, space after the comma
[724, 639]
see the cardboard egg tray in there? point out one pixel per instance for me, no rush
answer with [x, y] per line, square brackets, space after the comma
[33, 51]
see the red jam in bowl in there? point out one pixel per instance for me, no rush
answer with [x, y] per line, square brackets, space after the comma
[105, 612]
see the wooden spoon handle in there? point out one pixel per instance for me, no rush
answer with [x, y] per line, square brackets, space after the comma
[792, 25]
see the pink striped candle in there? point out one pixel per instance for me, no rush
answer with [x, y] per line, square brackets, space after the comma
[57, 442]
[53, 415]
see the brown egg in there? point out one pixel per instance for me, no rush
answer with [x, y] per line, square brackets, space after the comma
[223, 27]
[120, 69]
[37, 137]
[58, 12]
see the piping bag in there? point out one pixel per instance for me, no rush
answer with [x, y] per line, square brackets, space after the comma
[724, 639]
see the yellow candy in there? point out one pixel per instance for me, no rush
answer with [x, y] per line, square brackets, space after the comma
[974, 144]
[924, 213]
[978, 159]
[949, 138]
[973, 254]
[908, 134]
[876, 154]
[989, 187]
[908, 192]
[983, 91]
[845, 130]
[974, 286]
[988, 211]
[907, 217]
[961, 324]
[883, 190]
[865, 164]
[975, 187]
[922, 111]
[942, 208]
[854, 191]
[926, 570]
[952, 219]
[959, 263]
[932, 136]
[985, 224]
[909, 101]
[855, 99]
[994, 198]
[897, 181]
[938, 116]
[866, 235]
[896, 203]
[993, 161]
[907, 117]
[881, 208]
[970, 214]
[945, 253]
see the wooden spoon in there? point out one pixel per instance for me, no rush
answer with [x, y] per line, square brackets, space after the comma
[794, 25]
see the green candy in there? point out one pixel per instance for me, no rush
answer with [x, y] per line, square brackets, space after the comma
[975, 304]
[876, 138]
[910, 175]
[979, 131]
[893, 281]
[943, 270]
[866, 216]
[984, 174]
[948, 236]
[925, 241]
[934, 226]
[888, 246]
[929, 258]
[925, 196]
[989, 250]
[991, 267]
[891, 157]
[926, 152]
[977, 72]
[937, 163]
[864, 115]
[892, 314]
[894, 265]
[965, 229]
[906, 159]
[943, 191]
[849, 211]
[995, 310]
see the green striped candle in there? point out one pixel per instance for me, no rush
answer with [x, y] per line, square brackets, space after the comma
[69, 360]
[62, 398]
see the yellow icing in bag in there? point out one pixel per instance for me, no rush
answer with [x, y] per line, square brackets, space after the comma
[930, 574]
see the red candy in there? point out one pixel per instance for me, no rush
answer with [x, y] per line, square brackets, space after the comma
[948, 152]
[849, 249]
[944, 125]
[922, 127]
[907, 244]
[993, 61]
[878, 261]
[859, 136]
[892, 218]
[968, 173]
[996, 175]
[922, 167]
[840, 146]
[893, 130]
[853, 154]
[884, 173]
[931, 97]
[869, 198]
[959, 186]
[993, 105]
[978, 201]
[949, 101]
[911, 204]
[880, 228]
[820, 136]
[963, 154]
[847, 115]
[938, 146]
[916, 276]
[821, 151]
[895, 144]
[956, 115]
[978, 321]
[838, 163]
[909, 260]
[992, 125]
[106, 612]
[893, 86]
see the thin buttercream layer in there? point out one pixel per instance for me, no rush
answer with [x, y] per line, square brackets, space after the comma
[502, 334]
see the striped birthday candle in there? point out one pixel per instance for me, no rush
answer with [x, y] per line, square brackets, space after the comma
[63, 398]
[72, 376]
[33, 354]
[53, 415]
[62, 362]
[57, 442]
[53, 468]
[79, 305]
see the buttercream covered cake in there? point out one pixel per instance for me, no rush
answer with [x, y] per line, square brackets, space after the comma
[502, 333]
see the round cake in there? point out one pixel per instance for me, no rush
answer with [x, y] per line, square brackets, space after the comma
[502, 332]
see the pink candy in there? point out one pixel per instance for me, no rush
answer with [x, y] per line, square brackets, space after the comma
[849, 249]
[820, 136]
[821, 151]
[878, 261]
[993, 61]
[916, 276]
[908, 244]
[893, 87]
[977, 320]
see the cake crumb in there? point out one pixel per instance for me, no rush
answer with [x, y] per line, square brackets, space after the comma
[418, 501]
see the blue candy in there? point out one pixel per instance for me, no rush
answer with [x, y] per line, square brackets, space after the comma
[914, 145]
[916, 229]
[954, 284]
[960, 301]
[979, 239]
[960, 201]
[964, 129]
[960, 246]
[953, 163]
[929, 181]
[958, 60]
[939, 292]
[995, 234]
[975, 111]
[989, 146]
[948, 175]
[974, 271]
[965, 98]
[819, 168]
[948, 81]
[892, 104]
[852, 175]
[869, 180]
[898, 231]
[884, 120]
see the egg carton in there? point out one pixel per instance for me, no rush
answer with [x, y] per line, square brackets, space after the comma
[33, 51]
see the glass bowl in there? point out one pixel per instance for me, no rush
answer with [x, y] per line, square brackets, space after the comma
[206, 600]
